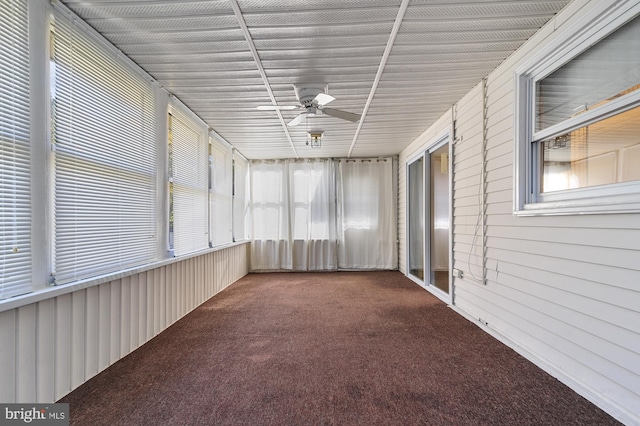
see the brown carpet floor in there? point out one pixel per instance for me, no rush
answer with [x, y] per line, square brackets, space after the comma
[345, 348]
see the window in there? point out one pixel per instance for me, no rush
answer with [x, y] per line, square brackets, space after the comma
[188, 230]
[221, 193]
[241, 212]
[15, 181]
[83, 201]
[104, 143]
[579, 122]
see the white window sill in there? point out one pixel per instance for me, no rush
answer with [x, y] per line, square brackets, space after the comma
[45, 293]
[613, 204]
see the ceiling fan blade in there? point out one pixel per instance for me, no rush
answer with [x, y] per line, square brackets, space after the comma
[277, 107]
[297, 120]
[323, 99]
[349, 116]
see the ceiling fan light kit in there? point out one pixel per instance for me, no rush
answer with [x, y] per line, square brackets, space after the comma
[314, 139]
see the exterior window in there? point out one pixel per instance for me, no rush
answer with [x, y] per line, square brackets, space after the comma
[188, 226]
[579, 125]
[104, 152]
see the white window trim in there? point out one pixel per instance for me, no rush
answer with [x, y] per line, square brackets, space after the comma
[577, 38]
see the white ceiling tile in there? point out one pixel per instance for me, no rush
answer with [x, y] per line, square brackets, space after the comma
[197, 50]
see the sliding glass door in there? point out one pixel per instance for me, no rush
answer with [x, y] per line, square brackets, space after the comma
[415, 218]
[439, 225]
[429, 219]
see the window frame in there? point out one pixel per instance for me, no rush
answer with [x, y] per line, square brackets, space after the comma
[622, 197]
[193, 188]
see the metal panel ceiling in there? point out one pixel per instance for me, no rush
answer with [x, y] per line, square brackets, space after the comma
[203, 53]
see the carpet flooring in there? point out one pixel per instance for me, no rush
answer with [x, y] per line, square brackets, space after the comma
[343, 348]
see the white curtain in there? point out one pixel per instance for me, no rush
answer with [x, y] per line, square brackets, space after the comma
[368, 228]
[270, 243]
[298, 226]
[313, 213]
[293, 215]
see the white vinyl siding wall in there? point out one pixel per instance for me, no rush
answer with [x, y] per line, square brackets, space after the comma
[53, 346]
[468, 187]
[561, 290]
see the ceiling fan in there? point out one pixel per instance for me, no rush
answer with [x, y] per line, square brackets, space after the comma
[313, 101]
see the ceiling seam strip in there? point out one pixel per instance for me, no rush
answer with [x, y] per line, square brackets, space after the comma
[256, 58]
[383, 62]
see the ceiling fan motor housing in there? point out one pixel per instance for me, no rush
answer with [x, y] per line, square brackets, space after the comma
[306, 95]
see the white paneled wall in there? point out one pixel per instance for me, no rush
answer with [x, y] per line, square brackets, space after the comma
[53, 346]
[467, 187]
[561, 290]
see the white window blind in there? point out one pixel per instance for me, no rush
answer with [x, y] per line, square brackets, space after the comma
[105, 158]
[220, 221]
[604, 72]
[15, 201]
[241, 214]
[189, 176]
